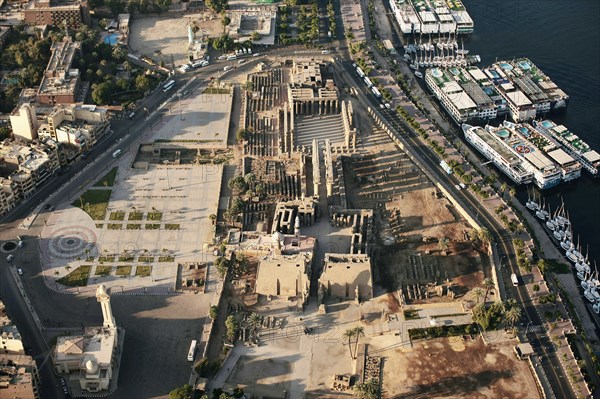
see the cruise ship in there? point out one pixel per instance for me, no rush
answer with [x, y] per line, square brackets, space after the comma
[572, 144]
[569, 167]
[546, 173]
[526, 89]
[431, 16]
[497, 151]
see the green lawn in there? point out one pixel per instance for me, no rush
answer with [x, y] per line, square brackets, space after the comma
[77, 278]
[216, 90]
[143, 271]
[108, 180]
[123, 270]
[169, 258]
[103, 270]
[146, 259]
[154, 215]
[152, 226]
[133, 226]
[136, 215]
[94, 203]
[119, 215]
[99, 225]
[171, 227]
[115, 226]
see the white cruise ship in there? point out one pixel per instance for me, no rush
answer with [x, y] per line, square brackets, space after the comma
[546, 173]
[577, 148]
[569, 167]
[497, 151]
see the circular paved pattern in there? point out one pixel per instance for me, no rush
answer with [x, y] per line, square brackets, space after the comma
[70, 242]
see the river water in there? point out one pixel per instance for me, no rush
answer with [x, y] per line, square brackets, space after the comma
[562, 37]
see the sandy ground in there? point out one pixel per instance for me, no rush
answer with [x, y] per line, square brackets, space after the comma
[444, 368]
[163, 37]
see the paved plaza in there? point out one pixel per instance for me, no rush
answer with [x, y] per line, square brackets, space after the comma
[157, 216]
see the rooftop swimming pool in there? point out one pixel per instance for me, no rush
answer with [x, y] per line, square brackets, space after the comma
[506, 67]
[503, 133]
[436, 73]
[524, 65]
[112, 39]
[547, 124]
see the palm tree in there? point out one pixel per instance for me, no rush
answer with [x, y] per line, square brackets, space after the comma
[488, 284]
[503, 188]
[485, 235]
[367, 390]
[478, 294]
[254, 320]
[513, 315]
[359, 332]
[512, 192]
[349, 333]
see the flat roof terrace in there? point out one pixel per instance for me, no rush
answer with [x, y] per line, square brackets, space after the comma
[494, 142]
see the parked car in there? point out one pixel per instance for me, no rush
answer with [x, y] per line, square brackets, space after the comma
[9, 258]
[20, 271]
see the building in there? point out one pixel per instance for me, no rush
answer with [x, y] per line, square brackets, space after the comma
[431, 16]
[451, 94]
[285, 276]
[89, 358]
[8, 198]
[60, 83]
[308, 93]
[73, 13]
[19, 377]
[244, 22]
[78, 124]
[10, 339]
[123, 24]
[28, 166]
[346, 277]
[23, 121]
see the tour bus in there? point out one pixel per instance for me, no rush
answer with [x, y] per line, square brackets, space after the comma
[116, 153]
[168, 86]
[192, 351]
[514, 279]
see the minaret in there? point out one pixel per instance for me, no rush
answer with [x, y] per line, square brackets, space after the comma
[104, 298]
[297, 227]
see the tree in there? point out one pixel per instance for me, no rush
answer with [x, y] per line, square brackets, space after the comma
[232, 327]
[478, 294]
[512, 192]
[359, 332]
[250, 179]
[535, 288]
[4, 132]
[349, 333]
[513, 315]
[213, 312]
[488, 284]
[488, 317]
[213, 218]
[254, 320]
[238, 184]
[143, 83]
[255, 36]
[241, 135]
[102, 93]
[184, 392]
[225, 20]
[222, 265]
[503, 188]
[367, 390]
[217, 6]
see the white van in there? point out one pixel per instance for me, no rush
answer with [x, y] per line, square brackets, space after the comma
[9, 258]
[227, 68]
[198, 64]
[231, 58]
[116, 153]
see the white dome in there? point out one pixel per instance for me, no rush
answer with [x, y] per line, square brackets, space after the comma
[91, 366]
